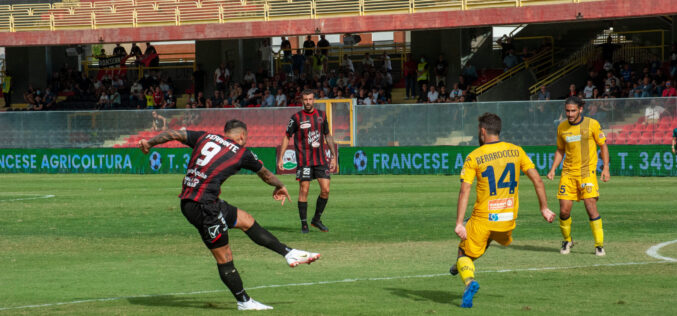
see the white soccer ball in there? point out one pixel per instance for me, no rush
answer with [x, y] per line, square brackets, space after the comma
[360, 160]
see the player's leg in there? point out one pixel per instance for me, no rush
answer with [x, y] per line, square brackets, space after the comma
[595, 225]
[322, 175]
[303, 177]
[567, 194]
[231, 278]
[470, 249]
[264, 238]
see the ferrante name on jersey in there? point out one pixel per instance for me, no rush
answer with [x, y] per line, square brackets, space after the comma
[218, 139]
[510, 153]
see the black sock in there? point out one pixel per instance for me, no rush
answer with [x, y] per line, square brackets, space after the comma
[232, 280]
[264, 238]
[303, 211]
[319, 208]
[564, 218]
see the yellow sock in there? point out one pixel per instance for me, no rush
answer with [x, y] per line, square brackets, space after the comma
[597, 231]
[565, 227]
[466, 268]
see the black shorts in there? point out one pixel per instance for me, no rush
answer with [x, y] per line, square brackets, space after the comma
[313, 172]
[211, 220]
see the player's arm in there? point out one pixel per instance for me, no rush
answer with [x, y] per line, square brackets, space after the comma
[674, 142]
[605, 160]
[559, 155]
[332, 148]
[540, 193]
[178, 135]
[280, 192]
[462, 205]
[283, 147]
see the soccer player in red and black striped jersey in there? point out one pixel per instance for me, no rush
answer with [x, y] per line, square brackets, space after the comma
[310, 131]
[213, 160]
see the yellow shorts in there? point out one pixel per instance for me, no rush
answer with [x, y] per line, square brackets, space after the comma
[577, 188]
[478, 236]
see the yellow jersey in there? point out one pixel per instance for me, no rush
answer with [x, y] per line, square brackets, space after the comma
[497, 169]
[579, 142]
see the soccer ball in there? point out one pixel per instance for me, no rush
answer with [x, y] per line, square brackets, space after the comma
[360, 160]
[155, 161]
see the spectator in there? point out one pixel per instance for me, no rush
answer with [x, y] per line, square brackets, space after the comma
[280, 98]
[158, 98]
[198, 80]
[49, 99]
[367, 62]
[673, 63]
[170, 100]
[506, 45]
[285, 48]
[669, 90]
[510, 60]
[647, 88]
[151, 54]
[443, 95]
[572, 91]
[266, 54]
[347, 64]
[441, 71]
[298, 61]
[135, 51]
[119, 51]
[268, 99]
[387, 64]
[249, 77]
[323, 45]
[422, 76]
[543, 94]
[610, 77]
[653, 113]
[104, 101]
[308, 47]
[455, 93]
[626, 73]
[410, 75]
[469, 73]
[221, 77]
[115, 98]
[215, 101]
[608, 49]
[159, 122]
[588, 90]
[29, 95]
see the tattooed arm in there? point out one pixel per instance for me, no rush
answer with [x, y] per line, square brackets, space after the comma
[280, 193]
[178, 135]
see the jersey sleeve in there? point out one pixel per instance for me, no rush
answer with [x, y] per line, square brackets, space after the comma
[251, 162]
[674, 133]
[292, 126]
[560, 141]
[469, 170]
[597, 133]
[525, 161]
[325, 125]
[193, 137]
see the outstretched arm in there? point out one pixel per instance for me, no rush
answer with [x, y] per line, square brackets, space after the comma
[463, 195]
[178, 135]
[540, 193]
[280, 192]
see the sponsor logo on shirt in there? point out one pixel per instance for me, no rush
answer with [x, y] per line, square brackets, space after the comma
[305, 125]
[573, 139]
[501, 217]
[501, 204]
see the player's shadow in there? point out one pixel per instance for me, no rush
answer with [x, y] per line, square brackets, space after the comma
[442, 297]
[226, 303]
[286, 229]
[533, 248]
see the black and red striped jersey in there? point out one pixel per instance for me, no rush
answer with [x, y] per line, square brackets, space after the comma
[214, 159]
[308, 131]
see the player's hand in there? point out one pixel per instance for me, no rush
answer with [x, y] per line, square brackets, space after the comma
[332, 164]
[460, 231]
[551, 175]
[281, 194]
[548, 215]
[144, 146]
[280, 165]
[605, 174]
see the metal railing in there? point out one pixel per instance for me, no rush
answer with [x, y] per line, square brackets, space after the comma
[536, 60]
[140, 13]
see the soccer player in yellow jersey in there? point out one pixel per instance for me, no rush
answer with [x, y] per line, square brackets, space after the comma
[497, 166]
[577, 140]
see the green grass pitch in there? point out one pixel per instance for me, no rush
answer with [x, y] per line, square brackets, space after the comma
[118, 244]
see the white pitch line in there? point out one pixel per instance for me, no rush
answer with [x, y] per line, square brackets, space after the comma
[653, 251]
[31, 198]
[327, 282]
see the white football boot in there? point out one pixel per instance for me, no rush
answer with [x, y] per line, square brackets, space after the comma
[252, 305]
[296, 257]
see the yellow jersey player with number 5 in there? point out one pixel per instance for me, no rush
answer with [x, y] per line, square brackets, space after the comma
[497, 166]
[577, 141]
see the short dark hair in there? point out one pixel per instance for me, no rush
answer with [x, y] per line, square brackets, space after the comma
[574, 100]
[233, 124]
[307, 92]
[491, 122]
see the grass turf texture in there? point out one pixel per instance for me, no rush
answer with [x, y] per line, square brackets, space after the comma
[112, 236]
